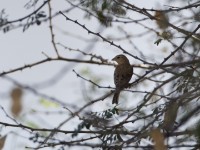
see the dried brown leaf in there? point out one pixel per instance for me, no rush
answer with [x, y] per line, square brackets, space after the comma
[170, 116]
[163, 19]
[16, 105]
[159, 139]
[2, 141]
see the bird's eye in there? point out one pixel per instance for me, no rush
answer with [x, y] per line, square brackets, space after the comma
[118, 57]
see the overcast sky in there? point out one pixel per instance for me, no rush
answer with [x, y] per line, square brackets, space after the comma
[19, 48]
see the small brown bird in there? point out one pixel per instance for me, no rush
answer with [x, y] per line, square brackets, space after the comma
[122, 75]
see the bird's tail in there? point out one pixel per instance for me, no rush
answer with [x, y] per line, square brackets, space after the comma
[115, 97]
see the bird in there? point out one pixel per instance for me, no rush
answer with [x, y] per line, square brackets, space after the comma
[122, 75]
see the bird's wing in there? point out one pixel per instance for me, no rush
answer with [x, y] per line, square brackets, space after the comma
[122, 76]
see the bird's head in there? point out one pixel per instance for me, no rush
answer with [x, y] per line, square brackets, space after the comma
[121, 59]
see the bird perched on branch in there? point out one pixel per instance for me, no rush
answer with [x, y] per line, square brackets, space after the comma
[122, 75]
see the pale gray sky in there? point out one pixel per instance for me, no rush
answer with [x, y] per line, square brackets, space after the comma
[18, 49]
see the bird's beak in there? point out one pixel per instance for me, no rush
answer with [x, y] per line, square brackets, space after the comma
[113, 59]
